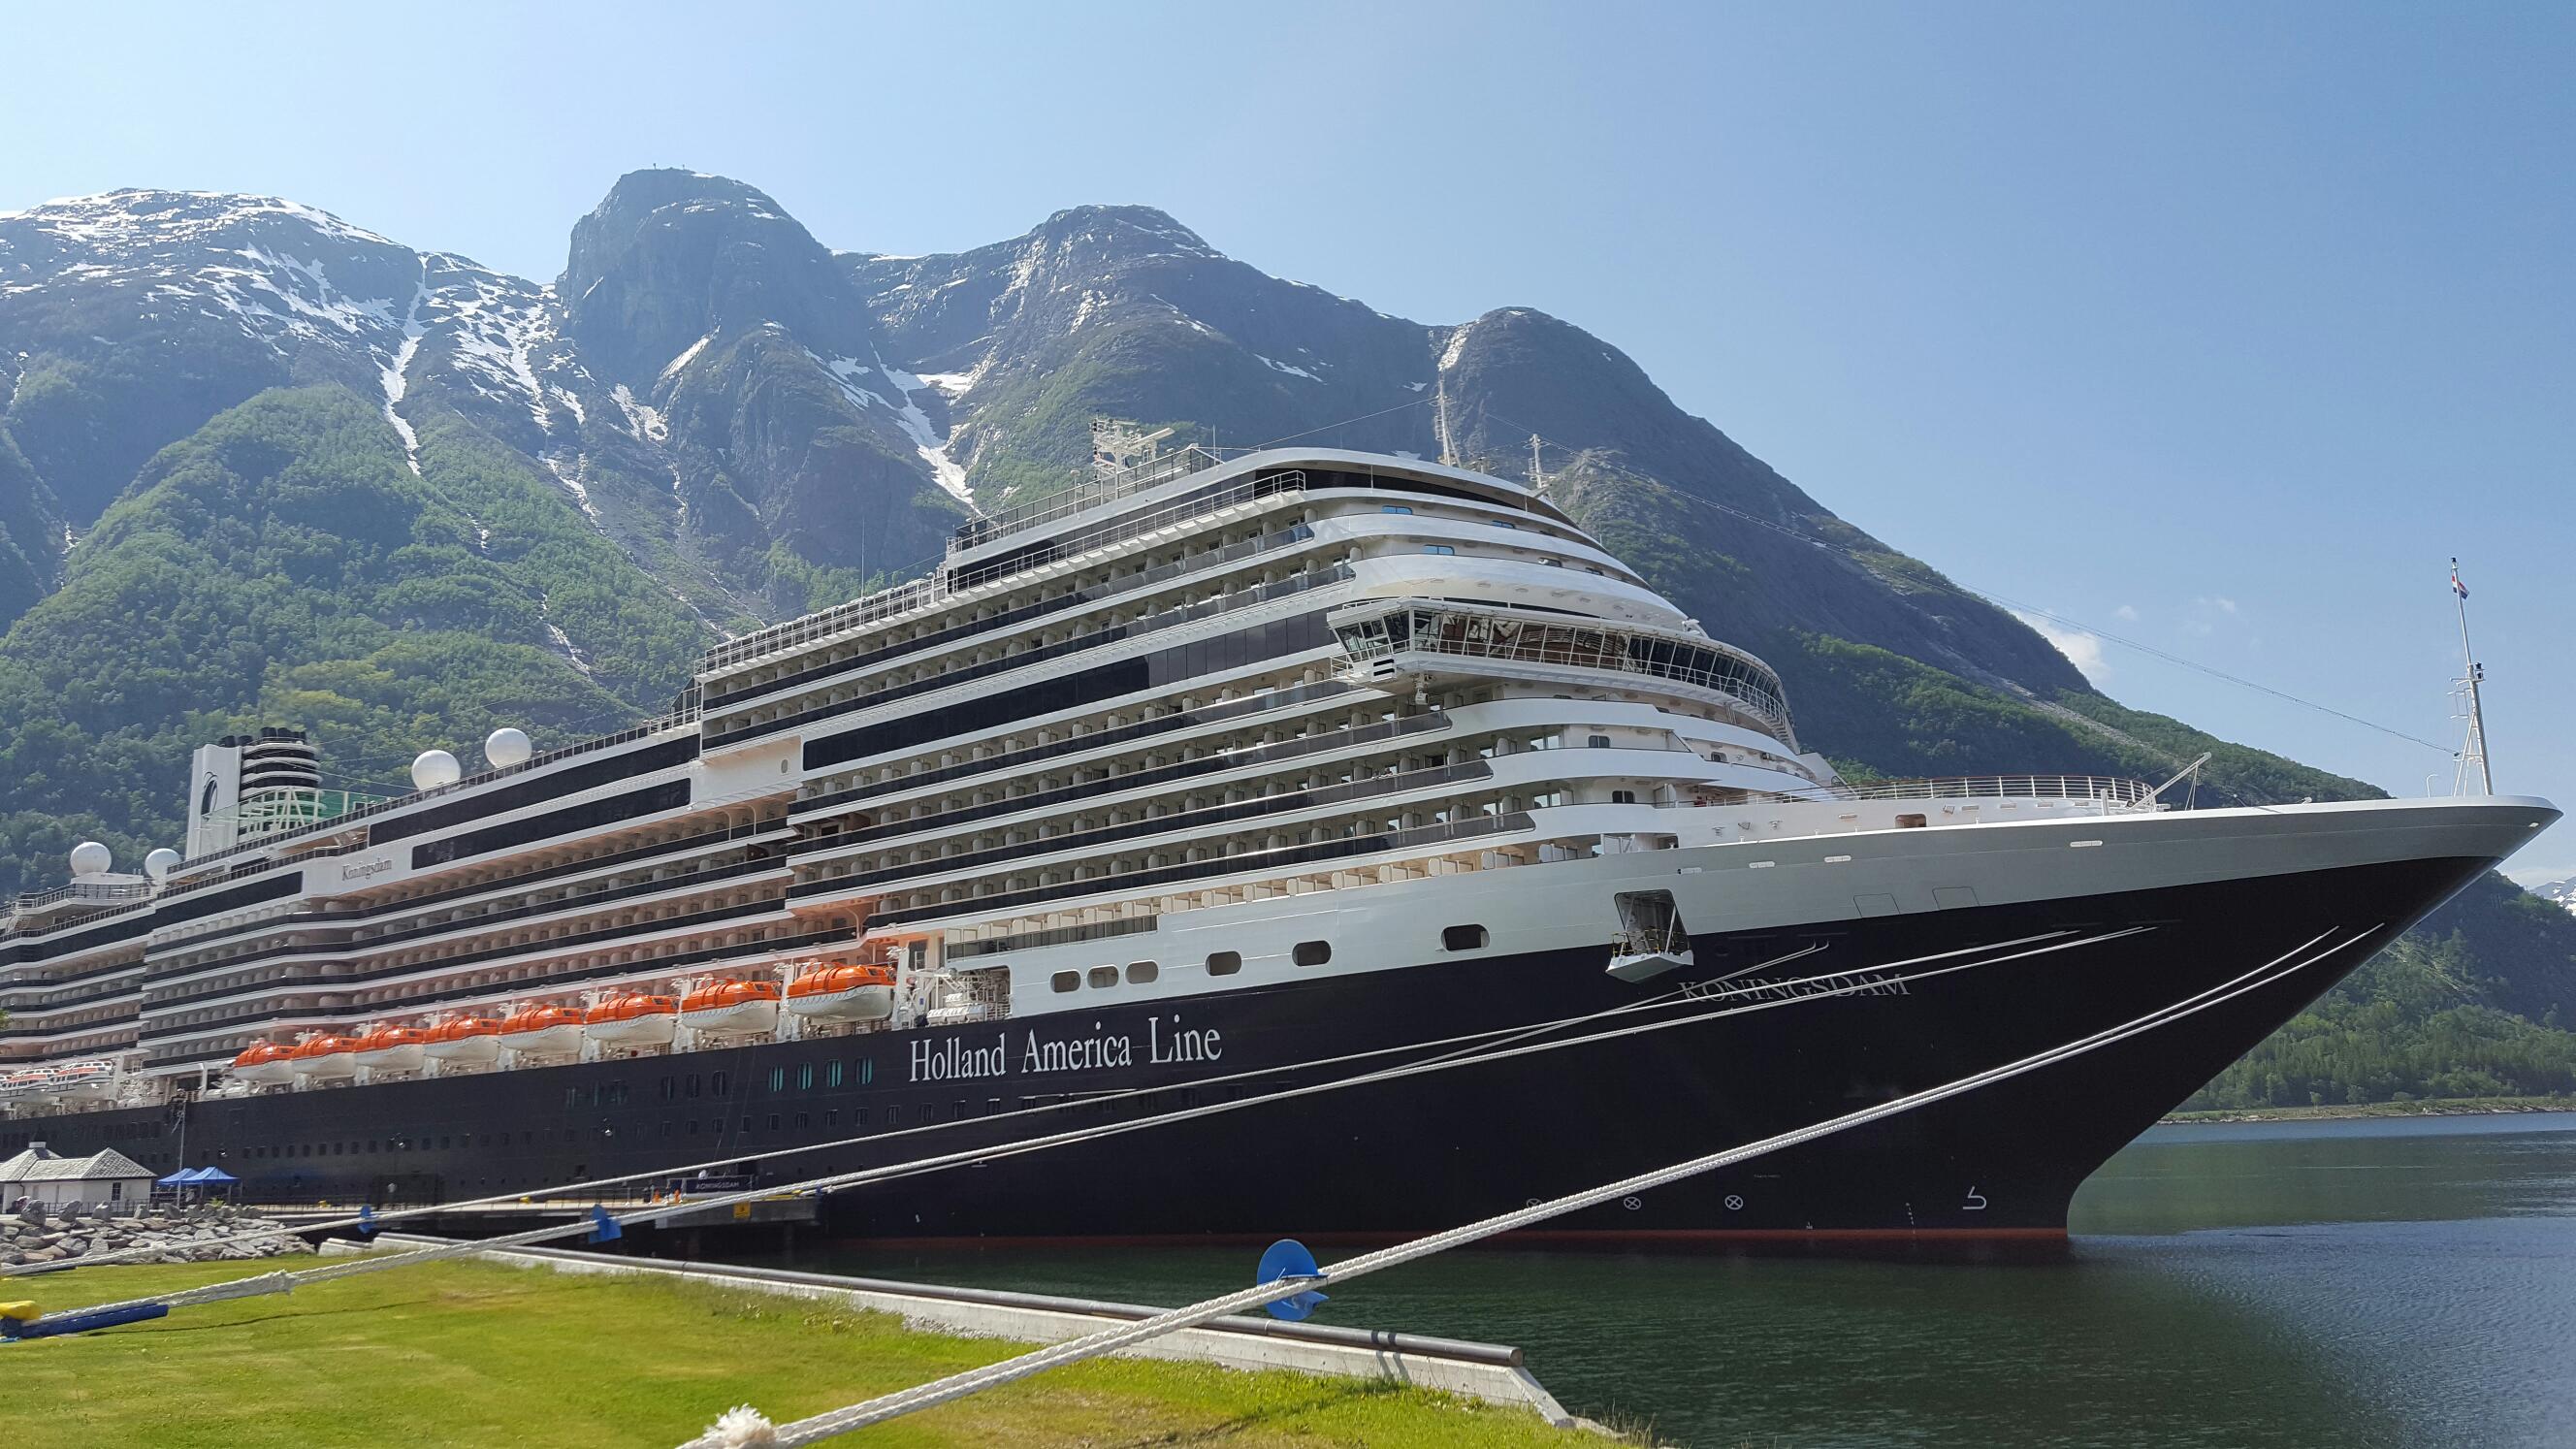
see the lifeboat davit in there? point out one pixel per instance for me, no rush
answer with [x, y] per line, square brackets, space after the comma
[852, 992]
[731, 1007]
[325, 1057]
[632, 1019]
[463, 1039]
[543, 1031]
[392, 1048]
[265, 1062]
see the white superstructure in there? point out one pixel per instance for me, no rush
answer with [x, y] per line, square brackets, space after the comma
[1302, 710]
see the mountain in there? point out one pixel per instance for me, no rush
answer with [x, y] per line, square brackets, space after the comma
[260, 465]
[2562, 892]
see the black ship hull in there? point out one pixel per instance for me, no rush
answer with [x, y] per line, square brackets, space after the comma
[1838, 1020]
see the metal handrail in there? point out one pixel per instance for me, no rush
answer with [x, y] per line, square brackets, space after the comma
[2108, 789]
[1085, 494]
[686, 714]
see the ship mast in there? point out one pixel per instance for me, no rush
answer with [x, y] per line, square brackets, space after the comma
[2473, 754]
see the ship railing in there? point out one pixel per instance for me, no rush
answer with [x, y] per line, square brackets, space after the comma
[2111, 790]
[1088, 493]
[685, 714]
[807, 630]
[814, 630]
[1250, 490]
[121, 891]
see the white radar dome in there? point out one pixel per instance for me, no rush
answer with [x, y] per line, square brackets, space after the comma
[435, 768]
[160, 863]
[91, 858]
[507, 746]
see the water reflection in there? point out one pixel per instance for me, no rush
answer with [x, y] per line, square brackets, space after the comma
[2350, 1283]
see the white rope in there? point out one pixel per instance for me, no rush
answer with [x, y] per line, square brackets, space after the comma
[956, 1386]
[373, 1220]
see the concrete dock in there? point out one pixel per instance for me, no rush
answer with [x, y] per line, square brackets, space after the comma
[1491, 1372]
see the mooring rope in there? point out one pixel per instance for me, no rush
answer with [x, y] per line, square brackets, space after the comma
[739, 1429]
[371, 1220]
[601, 1221]
[841, 1181]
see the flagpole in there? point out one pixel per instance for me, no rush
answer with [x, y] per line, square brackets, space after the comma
[2477, 745]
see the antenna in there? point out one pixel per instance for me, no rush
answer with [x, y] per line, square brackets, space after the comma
[2473, 754]
[1538, 471]
[1118, 445]
[1448, 450]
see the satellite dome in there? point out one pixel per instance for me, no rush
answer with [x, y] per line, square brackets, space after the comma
[435, 768]
[160, 863]
[91, 858]
[507, 746]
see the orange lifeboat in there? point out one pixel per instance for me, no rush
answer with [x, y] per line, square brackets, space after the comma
[852, 991]
[325, 1057]
[632, 1019]
[264, 1062]
[731, 1007]
[389, 1048]
[542, 1031]
[464, 1039]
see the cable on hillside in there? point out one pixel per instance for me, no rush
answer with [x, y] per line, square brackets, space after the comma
[1586, 458]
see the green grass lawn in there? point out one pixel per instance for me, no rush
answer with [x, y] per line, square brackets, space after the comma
[478, 1354]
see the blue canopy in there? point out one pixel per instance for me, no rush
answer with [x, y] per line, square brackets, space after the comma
[196, 1177]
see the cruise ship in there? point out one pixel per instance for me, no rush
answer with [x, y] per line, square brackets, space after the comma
[1355, 829]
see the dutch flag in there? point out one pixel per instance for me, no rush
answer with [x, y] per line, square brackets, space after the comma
[2457, 587]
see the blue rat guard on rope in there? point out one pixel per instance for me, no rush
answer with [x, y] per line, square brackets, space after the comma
[1288, 1258]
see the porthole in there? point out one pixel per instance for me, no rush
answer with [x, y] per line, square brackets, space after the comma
[1140, 972]
[1463, 938]
[1066, 980]
[1312, 953]
[1224, 963]
[1104, 976]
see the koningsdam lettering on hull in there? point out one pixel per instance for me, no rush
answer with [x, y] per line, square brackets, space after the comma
[955, 1060]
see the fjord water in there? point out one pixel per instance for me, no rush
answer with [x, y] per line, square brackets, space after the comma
[2399, 1282]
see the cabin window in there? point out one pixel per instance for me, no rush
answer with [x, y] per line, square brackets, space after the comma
[1393, 508]
[717, 1082]
[1104, 976]
[805, 1077]
[832, 1075]
[1623, 797]
[1224, 963]
[1911, 822]
[1312, 953]
[1597, 742]
[1140, 972]
[777, 1079]
[1463, 938]
[1437, 548]
[1066, 980]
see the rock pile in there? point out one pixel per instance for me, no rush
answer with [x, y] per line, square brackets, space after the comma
[41, 1233]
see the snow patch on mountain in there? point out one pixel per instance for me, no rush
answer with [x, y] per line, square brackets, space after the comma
[573, 485]
[643, 422]
[1275, 365]
[396, 375]
[493, 329]
[926, 440]
[672, 368]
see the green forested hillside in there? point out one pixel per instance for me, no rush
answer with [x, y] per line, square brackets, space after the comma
[283, 564]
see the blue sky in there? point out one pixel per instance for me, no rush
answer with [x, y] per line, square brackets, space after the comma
[2213, 326]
